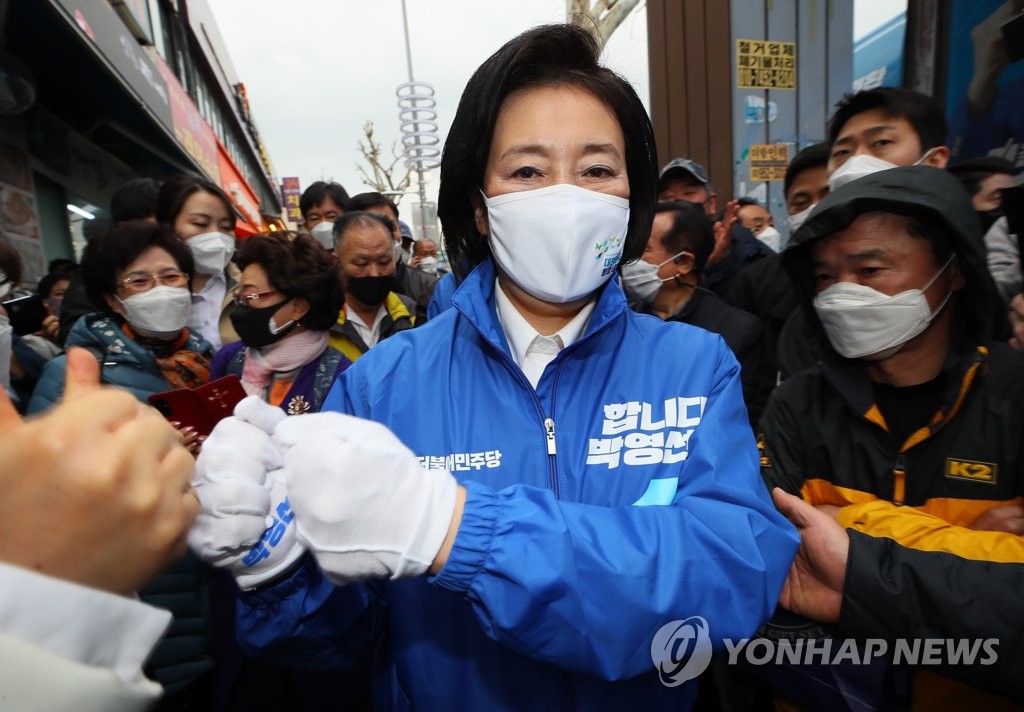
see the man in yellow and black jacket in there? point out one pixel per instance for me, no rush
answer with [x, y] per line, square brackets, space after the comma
[912, 427]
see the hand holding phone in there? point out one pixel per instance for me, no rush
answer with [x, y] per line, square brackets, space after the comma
[26, 314]
[200, 408]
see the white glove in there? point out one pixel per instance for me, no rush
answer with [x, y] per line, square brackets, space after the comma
[245, 523]
[364, 506]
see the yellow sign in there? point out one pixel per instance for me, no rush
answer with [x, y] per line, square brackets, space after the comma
[768, 161]
[764, 64]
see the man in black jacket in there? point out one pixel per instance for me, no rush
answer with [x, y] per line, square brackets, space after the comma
[735, 246]
[910, 427]
[413, 283]
[764, 289]
[666, 283]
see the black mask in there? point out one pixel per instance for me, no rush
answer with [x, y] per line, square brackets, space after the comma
[370, 290]
[988, 217]
[253, 324]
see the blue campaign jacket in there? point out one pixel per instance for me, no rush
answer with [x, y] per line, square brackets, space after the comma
[573, 550]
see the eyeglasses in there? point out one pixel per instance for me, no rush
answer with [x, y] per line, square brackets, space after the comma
[144, 281]
[251, 300]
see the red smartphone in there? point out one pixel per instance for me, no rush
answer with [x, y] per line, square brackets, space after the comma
[202, 407]
[26, 314]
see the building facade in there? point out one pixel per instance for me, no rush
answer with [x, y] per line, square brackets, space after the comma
[119, 89]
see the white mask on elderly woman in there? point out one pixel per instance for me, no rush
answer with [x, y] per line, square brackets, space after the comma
[160, 312]
[558, 243]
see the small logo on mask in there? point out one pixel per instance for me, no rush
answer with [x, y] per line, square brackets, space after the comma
[610, 244]
[681, 650]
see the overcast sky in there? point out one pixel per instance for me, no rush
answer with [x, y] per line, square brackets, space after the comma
[316, 70]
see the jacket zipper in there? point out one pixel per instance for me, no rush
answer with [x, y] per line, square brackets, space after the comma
[549, 429]
[899, 483]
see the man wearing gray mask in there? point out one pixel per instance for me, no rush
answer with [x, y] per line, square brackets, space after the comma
[909, 428]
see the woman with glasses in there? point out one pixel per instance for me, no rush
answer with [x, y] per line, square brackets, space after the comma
[140, 272]
[288, 296]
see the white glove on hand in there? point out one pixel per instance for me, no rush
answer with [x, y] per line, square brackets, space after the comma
[363, 504]
[245, 523]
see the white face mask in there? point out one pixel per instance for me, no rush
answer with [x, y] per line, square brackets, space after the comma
[429, 265]
[323, 232]
[771, 237]
[5, 286]
[864, 164]
[558, 243]
[861, 322]
[211, 251]
[795, 221]
[640, 280]
[398, 252]
[161, 311]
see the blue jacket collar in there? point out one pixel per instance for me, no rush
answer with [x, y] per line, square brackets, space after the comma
[474, 299]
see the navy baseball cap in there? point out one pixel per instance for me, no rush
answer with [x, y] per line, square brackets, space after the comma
[404, 230]
[684, 165]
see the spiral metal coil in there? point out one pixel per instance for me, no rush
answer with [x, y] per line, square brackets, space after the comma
[420, 142]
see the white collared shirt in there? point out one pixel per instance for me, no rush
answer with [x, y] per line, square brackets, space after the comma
[207, 304]
[369, 334]
[531, 350]
[78, 623]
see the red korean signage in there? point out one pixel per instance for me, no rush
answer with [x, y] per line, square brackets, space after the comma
[238, 189]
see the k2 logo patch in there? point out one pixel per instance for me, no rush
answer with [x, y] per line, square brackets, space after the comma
[984, 472]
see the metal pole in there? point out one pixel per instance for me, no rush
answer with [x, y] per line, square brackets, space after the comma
[419, 171]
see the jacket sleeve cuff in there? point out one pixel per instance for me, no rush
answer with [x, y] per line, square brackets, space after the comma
[473, 541]
[865, 592]
[299, 576]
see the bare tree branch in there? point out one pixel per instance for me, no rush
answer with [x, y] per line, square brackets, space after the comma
[601, 18]
[382, 179]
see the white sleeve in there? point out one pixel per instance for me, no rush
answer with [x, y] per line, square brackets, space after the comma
[80, 624]
[1004, 259]
[33, 679]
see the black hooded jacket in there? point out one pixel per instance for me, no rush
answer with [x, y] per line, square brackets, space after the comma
[824, 436]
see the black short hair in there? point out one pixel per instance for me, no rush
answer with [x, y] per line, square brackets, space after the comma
[360, 217]
[549, 55]
[747, 200]
[298, 266]
[691, 231]
[135, 200]
[107, 254]
[62, 264]
[365, 201]
[921, 111]
[814, 156]
[320, 191]
[47, 283]
[173, 194]
[973, 171]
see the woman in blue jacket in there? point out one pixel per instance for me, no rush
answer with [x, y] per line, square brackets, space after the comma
[571, 514]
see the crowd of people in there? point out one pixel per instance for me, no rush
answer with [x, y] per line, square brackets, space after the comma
[484, 477]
